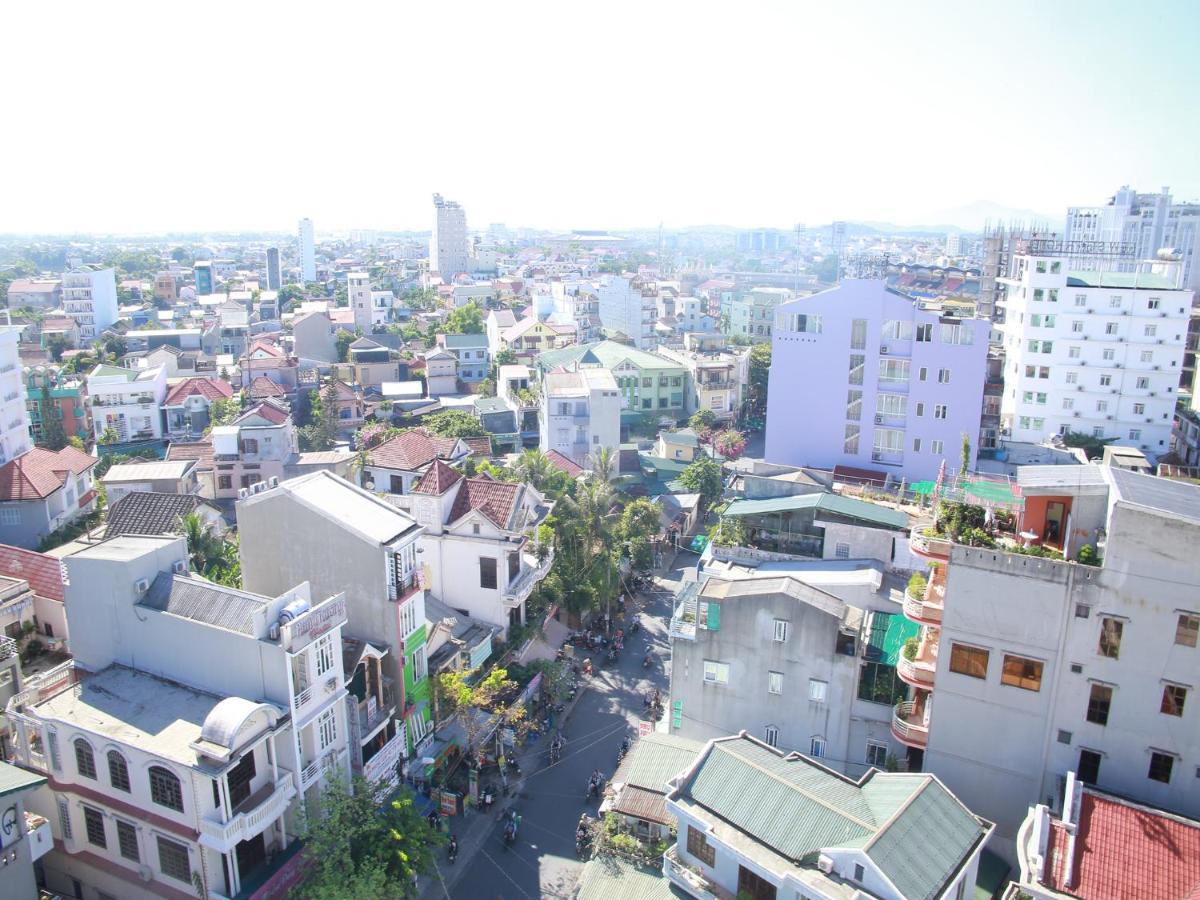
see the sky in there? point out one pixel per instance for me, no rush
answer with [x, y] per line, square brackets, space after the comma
[132, 117]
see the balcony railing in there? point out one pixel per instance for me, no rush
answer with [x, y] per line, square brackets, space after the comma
[920, 670]
[369, 722]
[928, 545]
[254, 815]
[522, 586]
[908, 724]
[690, 880]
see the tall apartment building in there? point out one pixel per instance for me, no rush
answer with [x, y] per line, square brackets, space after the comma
[14, 414]
[274, 273]
[1092, 351]
[448, 246]
[752, 314]
[866, 377]
[202, 271]
[306, 251]
[1146, 222]
[191, 726]
[89, 296]
[580, 413]
[1029, 668]
[629, 306]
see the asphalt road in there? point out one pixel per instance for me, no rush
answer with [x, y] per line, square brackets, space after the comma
[550, 799]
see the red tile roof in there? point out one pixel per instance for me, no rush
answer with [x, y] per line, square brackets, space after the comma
[479, 446]
[201, 451]
[270, 348]
[262, 386]
[412, 450]
[38, 473]
[437, 479]
[344, 391]
[43, 572]
[264, 409]
[564, 464]
[1127, 851]
[495, 499]
[208, 388]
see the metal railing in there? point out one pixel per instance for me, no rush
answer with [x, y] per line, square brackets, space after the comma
[911, 733]
[928, 544]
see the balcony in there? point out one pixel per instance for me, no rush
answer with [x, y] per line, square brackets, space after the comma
[330, 761]
[927, 609]
[370, 720]
[252, 817]
[683, 621]
[920, 670]
[531, 573]
[689, 880]
[929, 546]
[908, 723]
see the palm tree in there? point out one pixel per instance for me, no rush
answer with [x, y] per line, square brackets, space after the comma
[533, 467]
[602, 464]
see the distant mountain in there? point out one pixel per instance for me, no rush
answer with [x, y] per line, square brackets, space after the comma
[973, 216]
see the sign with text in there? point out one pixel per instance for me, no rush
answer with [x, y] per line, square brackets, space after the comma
[301, 632]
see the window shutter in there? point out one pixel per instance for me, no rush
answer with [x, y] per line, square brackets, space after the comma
[677, 714]
[714, 616]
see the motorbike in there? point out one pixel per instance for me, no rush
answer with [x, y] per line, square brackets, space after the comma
[452, 849]
[583, 835]
[513, 765]
[633, 629]
[612, 654]
[486, 799]
[511, 825]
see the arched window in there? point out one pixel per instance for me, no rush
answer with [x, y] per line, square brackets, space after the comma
[118, 771]
[85, 759]
[165, 789]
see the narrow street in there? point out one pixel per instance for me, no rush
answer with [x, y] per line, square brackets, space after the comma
[550, 799]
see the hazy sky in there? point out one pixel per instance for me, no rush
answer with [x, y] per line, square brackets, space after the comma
[184, 116]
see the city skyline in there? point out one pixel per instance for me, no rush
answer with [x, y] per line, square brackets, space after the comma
[892, 115]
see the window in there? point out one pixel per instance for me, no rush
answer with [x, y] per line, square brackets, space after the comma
[925, 333]
[1088, 770]
[327, 728]
[1101, 406]
[876, 754]
[1143, 383]
[920, 409]
[841, 550]
[943, 376]
[891, 404]
[1041, 270]
[1139, 408]
[816, 747]
[1147, 356]
[1072, 377]
[1150, 330]
[940, 410]
[858, 334]
[781, 630]
[699, 847]
[1114, 302]
[923, 373]
[935, 447]
[854, 405]
[771, 735]
[1077, 325]
[118, 771]
[1099, 704]
[857, 364]
[1105, 380]
[1081, 299]
[774, 682]
[916, 445]
[1135, 434]
[1022, 673]
[487, 572]
[1047, 346]
[173, 860]
[1160, 767]
[225, 482]
[1110, 637]
[1063, 737]
[1187, 629]
[165, 789]
[1172, 700]
[85, 759]
[127, 841]
[1068, 402]
[893, 371]
[817, 690]
[93, 821]
[647, 382]
[859, 872]
[850, 442]
[1082, 610]
[1152, 304]
[420, 669]
[971, 661]
[324, 653]
[716, 672]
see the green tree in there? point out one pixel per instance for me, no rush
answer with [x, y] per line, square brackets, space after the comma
[730, 443]
[344, 340]
[703, 477]
[55, 346]
[586, 554]
[362, 851]
[760, 369]
[467, 319]
[77, 442]
[180, 255]
[481, 705]
[827, 269]
[533, 467]
[322, 433]
[290, 293]
[54, 436]
[603, 464]
[222, 411]
[964, 456]
[454, 423]
[109, 436]
[640, 522]
[702, 420]
[210, 555]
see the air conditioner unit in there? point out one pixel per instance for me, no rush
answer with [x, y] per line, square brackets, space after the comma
[1124, 312]
[1155, 368]
[879, 420]
[1085, 337]
[243, 493]
[883, 351]
[141, 586]
[825, 863]
[1120, 340]
[1076, 414]
[1113, 391]
[1116, 365]
[331, 684]
[179, 567]
[877, 457]
[1083, 362]
[1163, 315]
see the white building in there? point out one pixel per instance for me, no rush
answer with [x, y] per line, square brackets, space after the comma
[169, 774]
[719, 375]
[89, 296]
[1147, 222]
[629, 306]
[358, 289]
[475, 544]
[1030, 668]
[306, 251]
[14, 415]
[1096, 352]
[128, 400]
[580, 413]
[448, 248]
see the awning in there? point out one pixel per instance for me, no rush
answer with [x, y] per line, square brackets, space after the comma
[886, 635]
[854, 475]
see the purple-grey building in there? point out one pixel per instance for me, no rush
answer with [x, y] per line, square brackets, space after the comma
[866, 377]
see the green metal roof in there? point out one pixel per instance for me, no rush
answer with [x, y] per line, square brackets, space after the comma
[616, 878]
[796, 807]
[657, 758]
[886, 636]
[823, 502]
[108, 371]
[13, 779]
[1146, 281]
[609, 354]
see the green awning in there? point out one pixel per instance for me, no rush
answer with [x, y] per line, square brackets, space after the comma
[924, 488]
[699, 543]
[992, 492]
[886, 635]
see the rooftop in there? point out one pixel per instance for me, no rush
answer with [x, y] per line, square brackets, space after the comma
[150, 512]
[206, 602]
[43, 573]
[13, 779]
[38, 473]
[172, 469]
[1138, 280]
[413, 449]
[209, 388]
[346, 504]
[1176, 499]
[849, 507]
[122, 374]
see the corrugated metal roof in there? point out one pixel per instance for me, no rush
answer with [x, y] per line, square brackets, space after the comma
[641, 803]
[13, 779]
[204, 602]
[830, 503]
[945, 831]
[655, 759]
[614, 878]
